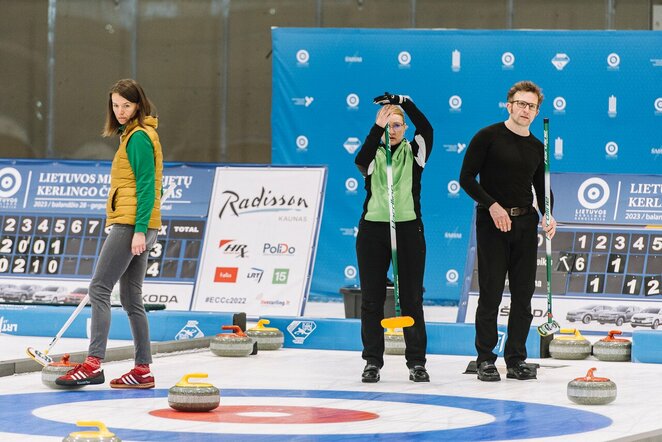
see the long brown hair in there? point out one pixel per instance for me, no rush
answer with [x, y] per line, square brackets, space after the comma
[133, 92]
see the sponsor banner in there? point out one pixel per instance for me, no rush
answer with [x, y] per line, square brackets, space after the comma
[608, 199]
[261, 238]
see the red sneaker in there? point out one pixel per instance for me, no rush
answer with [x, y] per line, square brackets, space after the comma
[81, 374]
[136, 378]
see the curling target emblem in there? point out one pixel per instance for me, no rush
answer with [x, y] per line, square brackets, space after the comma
[593, 193]
[10, 182]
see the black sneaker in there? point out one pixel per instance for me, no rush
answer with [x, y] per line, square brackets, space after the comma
[521, 371]
[488, 372]
[418, 373]
[370, 374]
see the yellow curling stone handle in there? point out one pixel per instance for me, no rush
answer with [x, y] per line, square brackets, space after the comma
[185, 380]
[101, 432]
[576, 335]
[261, 326]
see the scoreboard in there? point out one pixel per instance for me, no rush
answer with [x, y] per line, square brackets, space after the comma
[605, 255]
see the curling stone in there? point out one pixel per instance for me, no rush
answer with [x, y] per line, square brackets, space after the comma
[591, 390]
[101, 435]
[56, 369]
[394, 342]
[613, 349]
[193, 396]
[570, 347]
[231, 344]
[268, 338]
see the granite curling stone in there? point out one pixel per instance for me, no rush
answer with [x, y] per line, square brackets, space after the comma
[613, 349]
[231, 344]
[268, 338]
[193, 396]
[570, 347]
[591, 390]
[394, 342]
[100, 435]
[56, 369]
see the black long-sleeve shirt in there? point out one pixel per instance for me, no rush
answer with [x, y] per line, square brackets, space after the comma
[508, 164]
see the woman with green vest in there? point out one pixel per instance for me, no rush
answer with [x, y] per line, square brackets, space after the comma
[133, 210]
[373, 246]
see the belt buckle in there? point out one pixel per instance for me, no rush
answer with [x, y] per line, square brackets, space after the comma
[515, 211]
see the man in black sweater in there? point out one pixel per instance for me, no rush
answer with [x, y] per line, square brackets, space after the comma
[509, 160]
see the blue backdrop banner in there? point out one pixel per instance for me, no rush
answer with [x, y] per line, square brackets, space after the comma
[603, 96]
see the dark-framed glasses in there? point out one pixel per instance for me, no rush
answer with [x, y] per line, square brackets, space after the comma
[396, 126]
[523, 104]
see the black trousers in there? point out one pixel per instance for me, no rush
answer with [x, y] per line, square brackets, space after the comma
[373, 250]
[500, 253]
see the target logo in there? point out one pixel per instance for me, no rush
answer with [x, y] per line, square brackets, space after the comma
[658, 105]
[613, 60]
[559, 104]
[352, 101]
[453, 187]
[351, 184]
[303, 56]
[10, 182]
[455, 102]
[302, 142]
[452, 276]
[350, 272]
[404, 58]
[593, 193]
[611, 148]
[508, 59]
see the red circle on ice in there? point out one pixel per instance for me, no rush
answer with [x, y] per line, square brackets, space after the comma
[269, 414]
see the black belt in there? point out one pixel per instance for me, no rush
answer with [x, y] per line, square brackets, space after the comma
[519, 211]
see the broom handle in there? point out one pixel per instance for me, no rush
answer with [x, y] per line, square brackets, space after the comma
[391, 218]
[548, 241]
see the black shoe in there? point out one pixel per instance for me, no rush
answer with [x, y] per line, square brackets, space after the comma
[370, 374]
[522, 371]
[488, 372]
[418, 373]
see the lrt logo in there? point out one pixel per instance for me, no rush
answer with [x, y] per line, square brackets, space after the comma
[280, 249]
[229, 247]
[255, 274]
[300, 330]
[226, 274]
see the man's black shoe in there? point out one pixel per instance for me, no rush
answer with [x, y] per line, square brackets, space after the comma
[418, 373]
[521, 371]
[488, 372]
[370, 374]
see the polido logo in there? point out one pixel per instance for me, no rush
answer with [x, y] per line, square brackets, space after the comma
[593, 193]
[10, 182]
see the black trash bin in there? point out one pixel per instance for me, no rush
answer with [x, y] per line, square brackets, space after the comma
[352, 298]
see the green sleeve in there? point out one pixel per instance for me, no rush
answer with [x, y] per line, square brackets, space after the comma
[141, 157]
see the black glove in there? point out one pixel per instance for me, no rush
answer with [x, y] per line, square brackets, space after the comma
[389, 99]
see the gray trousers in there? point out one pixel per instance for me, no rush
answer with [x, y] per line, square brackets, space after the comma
[117, 263]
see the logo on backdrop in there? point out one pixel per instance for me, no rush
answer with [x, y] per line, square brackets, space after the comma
[592, 194]
[280, 249]
[302, 57]
[455, 102]
[351, 144]
[559, 105]
[560, 61]
[300, 330]
[352, 101]
[456, 60]
[230, 247]
[452, 276]
[404, 59]
[302, 142]
[226, 274]
[189, 331]
[455, 148]
[265, 201]
[613, 61]
[10, 182]
[558, 148]
[501, 341]
[349, 231]
[657, 104]
[255, 274]
[611, 148]
[351, 184]
[612, 106]
[303, 101]
[280, 276]
[353, 59]
[7, 327]
[350, 272]
[507, 60]
[453, 188]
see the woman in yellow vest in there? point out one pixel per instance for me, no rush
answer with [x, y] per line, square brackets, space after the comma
[133, 210]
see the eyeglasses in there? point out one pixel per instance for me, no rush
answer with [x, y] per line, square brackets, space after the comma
[396, 126]
[523, 104]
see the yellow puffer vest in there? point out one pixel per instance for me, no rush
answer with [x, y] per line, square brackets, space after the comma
[122, 202]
